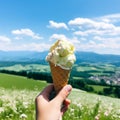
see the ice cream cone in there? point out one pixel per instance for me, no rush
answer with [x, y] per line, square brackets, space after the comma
[60, 76]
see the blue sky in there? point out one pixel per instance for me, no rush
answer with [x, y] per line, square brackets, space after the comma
[91, 25]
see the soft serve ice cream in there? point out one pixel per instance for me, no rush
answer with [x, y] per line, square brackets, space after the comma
[62, 54]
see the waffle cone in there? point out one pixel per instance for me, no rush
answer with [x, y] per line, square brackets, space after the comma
[60, 76]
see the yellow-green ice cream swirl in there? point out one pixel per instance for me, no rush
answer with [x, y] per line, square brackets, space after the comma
[62, 54]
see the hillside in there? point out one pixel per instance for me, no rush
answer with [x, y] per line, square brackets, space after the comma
[23, 83]
[14, 82]
[82, 103]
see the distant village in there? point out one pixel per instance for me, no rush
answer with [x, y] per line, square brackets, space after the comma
[113, 79]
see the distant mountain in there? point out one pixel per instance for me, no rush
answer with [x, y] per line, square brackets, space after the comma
[27, 56]
[22, 56]
[94, 57]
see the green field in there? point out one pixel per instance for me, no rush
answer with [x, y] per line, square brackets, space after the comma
[98, 88]
[17, 95]
[28, 67]
[18, 82]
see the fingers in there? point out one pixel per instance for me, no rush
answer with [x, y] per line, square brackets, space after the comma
[66, 102]
[62, 95]
[65, 107]
[45, 94]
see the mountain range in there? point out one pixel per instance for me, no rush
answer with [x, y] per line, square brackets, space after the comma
[24, 56]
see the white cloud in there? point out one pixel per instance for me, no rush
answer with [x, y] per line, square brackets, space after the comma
[101, 45]
[5, 39]
[58, 36]
[81, 33]
[80, 21]
[111, 43]
[18, 38]
[112, 18]
[89, 32]
[75, 41]
[97, 38]
[57, 25]
[34, 47]
[96, 26]
[85, 23]
[26, 47]
[26, 32]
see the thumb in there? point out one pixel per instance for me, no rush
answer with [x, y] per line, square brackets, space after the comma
[62, 95]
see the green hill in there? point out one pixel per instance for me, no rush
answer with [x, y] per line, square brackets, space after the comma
[17, 82]
[18, 93]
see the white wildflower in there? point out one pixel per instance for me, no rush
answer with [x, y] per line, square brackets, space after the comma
[106, 113]
[1, 109]
[72, 111]
[79, 105]
[23, 116]
[97, 117]
[25, 104]
[98, 99]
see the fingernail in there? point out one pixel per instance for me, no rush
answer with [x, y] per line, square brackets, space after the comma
[68, 88]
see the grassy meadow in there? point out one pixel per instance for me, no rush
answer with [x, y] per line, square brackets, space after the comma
[8, 81]
[17, 95]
